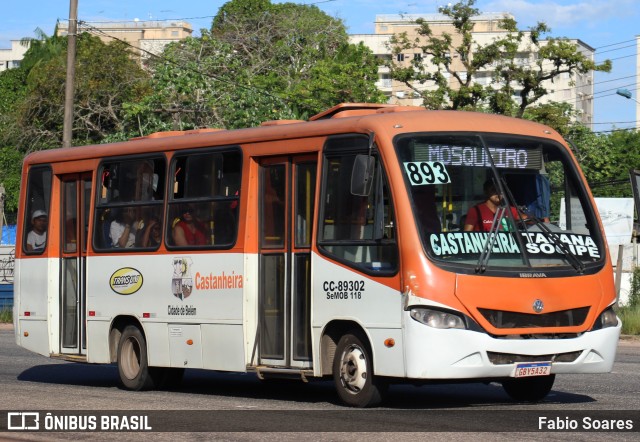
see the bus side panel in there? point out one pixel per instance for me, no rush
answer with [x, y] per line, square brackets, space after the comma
[158, 350]
[342, 294]
[35, 303]
[164, 291]
[98, 341]
[222, 347]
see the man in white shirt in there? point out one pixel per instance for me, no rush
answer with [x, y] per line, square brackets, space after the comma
[37, 237]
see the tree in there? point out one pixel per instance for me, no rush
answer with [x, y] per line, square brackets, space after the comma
[290, 49]
[463, 59]
[10, 173]
[560, 116]
[605, 159]
[201, 82]
[107, 77]
[348, 76]
[42, 48]
[553, 57]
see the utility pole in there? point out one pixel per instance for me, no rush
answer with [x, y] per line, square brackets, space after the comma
[67, 128]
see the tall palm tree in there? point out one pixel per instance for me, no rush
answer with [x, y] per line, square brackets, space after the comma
[42, 48]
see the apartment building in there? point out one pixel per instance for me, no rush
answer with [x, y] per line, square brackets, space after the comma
[576, 89]
[145, 37]
[11, 58]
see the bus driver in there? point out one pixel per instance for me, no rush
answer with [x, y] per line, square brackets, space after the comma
[480, 217]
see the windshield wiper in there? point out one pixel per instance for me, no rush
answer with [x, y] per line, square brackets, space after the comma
[507, 197]
[554, 239]
[481, 267]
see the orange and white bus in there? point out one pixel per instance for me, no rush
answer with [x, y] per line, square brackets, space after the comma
[339, 246]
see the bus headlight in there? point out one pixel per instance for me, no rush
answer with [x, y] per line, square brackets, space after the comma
[436, 318]
[608, 318]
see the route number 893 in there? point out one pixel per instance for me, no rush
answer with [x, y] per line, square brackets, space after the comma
[422, 173]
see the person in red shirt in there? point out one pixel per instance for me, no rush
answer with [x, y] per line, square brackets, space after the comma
[480, 217]
[189, 231]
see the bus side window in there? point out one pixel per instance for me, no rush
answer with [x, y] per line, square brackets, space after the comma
[130, 204]
[36, 221]
[203, 202]
[357, 230]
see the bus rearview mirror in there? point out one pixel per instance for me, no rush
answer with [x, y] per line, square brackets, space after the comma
[362, 175]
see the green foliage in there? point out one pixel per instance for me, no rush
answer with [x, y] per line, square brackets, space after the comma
[6, 316]
[200, 82]
[605, 159]
[630, 313]
[107, 77]
[348, 76]
[297, 54]
[10, 172]
[554, 57]
[261, 61]
[42, 48]
[630, 317]
[560, 116]
[634, 292]
[12, 89]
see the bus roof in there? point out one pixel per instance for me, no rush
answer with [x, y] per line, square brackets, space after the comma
[382, 119]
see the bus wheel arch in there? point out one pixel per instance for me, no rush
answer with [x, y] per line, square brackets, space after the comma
[332, 333]
[131, 355]
[347, 351]
[117, 326]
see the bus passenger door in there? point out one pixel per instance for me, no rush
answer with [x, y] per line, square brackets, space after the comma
[287, 200]
[75, 201]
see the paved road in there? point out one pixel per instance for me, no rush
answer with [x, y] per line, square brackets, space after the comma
[243, 403]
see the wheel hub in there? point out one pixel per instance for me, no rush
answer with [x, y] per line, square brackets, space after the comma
[353, 371]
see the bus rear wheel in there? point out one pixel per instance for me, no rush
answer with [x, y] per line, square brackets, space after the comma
[532, 389]
[135, 373]
[353, 373]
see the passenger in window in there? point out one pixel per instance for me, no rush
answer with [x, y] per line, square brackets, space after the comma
[37, 237]
[122, 231]
[189, 231]
[151, 235]
[480, 217]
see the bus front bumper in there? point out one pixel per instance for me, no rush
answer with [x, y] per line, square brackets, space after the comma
[462, 354]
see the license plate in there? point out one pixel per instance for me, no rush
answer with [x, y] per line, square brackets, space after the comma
[533, 369]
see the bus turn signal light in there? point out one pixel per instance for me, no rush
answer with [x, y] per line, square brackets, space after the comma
[389, 342]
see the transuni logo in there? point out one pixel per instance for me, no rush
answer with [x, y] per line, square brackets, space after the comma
[126, 281]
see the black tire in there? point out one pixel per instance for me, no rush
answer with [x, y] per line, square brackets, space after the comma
[135, 373]
[353, 373]
[532, 389]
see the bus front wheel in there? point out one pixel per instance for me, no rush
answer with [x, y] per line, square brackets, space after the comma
[135, 373]
[532, 389]
[353, 373]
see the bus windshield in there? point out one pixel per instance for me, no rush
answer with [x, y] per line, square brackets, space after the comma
[487, 201]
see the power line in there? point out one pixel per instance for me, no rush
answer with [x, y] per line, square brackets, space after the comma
[145, 21]
[617, 49]
[616, 88]
[617, 122]
[615, 44]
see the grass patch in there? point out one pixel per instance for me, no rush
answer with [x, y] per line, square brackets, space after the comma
[630, 317]
[6, 315]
